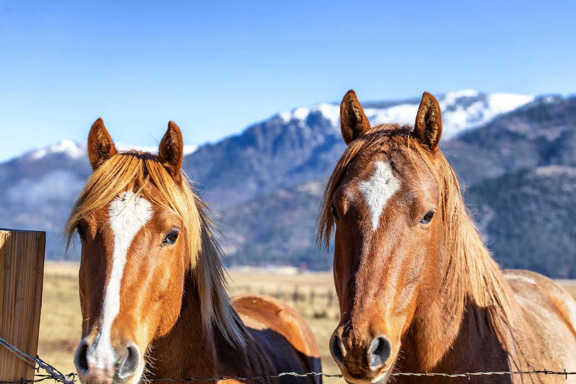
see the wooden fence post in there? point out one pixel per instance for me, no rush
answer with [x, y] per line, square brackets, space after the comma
[21, 277]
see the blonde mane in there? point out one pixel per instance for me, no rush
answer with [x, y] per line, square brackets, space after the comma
[145, 175]
[471, 275]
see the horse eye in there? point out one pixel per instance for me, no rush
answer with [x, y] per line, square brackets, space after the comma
[428, 217]
[170, 237]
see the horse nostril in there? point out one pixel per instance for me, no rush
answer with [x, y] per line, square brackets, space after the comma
[81, 357]
[129, 363]
[379, 352]
[336, 349]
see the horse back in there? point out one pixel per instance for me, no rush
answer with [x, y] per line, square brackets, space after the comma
[283, 333]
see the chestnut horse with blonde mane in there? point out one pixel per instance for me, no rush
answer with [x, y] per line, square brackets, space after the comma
[418, 290]
[152, 287]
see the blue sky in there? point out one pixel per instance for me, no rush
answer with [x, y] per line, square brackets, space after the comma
[215, 67]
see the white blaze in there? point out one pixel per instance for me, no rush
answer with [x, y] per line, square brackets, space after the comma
[378, 190]
[128, 213]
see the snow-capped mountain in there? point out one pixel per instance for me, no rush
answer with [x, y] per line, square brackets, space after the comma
[518, 172]
[287, 150]
[461, 110]
[292, 147]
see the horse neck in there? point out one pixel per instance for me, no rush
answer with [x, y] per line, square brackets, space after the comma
[471, 306]
[464, 342]
[177, 354]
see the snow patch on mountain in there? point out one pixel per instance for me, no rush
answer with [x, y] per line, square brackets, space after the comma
[74, 150]
[188, 149]
[67, 147]
[461, 110]
[328, 111]
[403, 114]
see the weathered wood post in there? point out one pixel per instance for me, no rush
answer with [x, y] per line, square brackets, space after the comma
[21, 277]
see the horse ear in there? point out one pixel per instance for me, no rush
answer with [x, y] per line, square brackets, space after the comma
[100, 144]
[428, 128]
[353, 121]
[171, 150]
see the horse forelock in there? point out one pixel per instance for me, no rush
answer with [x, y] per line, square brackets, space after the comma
[144, 175]
[371, 142]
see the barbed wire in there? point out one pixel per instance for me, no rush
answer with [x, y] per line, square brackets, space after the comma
[37, 379]
[38, 364]
[51, 373]
[339, 375]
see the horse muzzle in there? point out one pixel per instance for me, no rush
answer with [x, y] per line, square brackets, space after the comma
[363, 363]
[106, 365]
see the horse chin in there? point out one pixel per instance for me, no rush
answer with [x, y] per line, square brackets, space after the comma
[112, 379]
[381, 378]
[137, 378]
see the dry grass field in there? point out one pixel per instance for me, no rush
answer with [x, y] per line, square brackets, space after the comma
[311, 293]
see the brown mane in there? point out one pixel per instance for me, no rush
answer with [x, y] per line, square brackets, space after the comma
[144, 174]
[471, 274]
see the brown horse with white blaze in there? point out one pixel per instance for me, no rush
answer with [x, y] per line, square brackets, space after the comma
[152, 287]
[418, 290]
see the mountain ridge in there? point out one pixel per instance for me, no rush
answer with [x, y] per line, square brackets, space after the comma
[264, 184]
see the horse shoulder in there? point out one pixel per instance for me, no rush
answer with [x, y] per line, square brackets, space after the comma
[551, 313]
[277, 324]
[540, 287]
[262, 312]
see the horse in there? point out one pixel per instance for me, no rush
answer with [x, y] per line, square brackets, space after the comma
[418, 290]
[152, 285]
